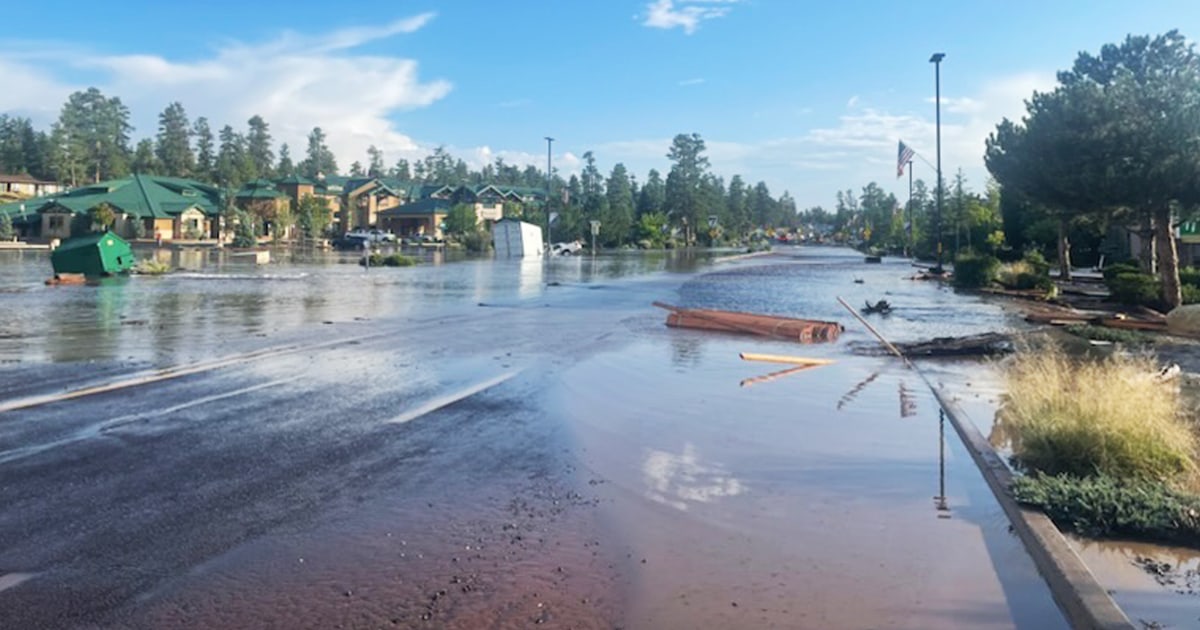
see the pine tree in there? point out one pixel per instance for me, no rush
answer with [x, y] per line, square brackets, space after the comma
[205, 159]
[375, 168]
[173, 147]
[285, 167]
[258, 148]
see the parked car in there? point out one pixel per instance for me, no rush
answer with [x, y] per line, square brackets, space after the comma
[567, 248]
[373, 235]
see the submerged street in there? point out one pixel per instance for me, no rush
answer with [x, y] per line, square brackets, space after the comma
[488, 444]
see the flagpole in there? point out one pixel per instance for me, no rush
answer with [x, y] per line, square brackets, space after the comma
[910, 209]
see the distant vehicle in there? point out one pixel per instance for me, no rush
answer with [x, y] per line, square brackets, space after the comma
[373, 236]
[566, 249]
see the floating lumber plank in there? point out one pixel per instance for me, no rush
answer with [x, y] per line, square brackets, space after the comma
[779, 358]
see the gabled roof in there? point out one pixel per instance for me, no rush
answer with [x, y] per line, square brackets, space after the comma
[422, 207]
[143, 196]
[295, 180]
[259, 189]
[21, 178]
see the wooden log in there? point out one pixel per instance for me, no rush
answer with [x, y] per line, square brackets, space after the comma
[802, 330]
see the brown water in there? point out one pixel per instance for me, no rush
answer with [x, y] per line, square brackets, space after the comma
[625, 477]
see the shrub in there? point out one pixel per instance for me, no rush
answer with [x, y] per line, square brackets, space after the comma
[1109, 417]
[1109, 506]
[1191, 294]
[1126, 266]
[151, 267]
[1027, 274]
[972, 271]
[1190, 276]
[1115, 335]
[393, 260]
[477, 241]
[1134, 288]
[6, 227]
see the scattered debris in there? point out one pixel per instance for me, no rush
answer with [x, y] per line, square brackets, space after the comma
[881, 307]
[971, 345]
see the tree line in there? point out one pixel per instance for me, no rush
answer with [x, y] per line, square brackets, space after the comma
[91, 141]
[1116, 141]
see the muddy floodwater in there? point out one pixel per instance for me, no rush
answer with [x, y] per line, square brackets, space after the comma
[488, 444]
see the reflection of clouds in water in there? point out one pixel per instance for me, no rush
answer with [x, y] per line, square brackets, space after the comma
[676, 479]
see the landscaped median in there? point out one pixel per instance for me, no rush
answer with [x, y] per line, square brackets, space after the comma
[1106, 446]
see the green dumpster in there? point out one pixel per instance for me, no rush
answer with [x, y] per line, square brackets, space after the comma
[98, 254]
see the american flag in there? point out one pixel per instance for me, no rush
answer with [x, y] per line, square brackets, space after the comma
[904, 156]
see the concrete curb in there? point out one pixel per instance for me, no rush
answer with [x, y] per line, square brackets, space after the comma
[1082, 600]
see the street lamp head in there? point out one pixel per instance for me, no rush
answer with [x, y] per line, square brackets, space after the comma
[937, 57]
[549, 139]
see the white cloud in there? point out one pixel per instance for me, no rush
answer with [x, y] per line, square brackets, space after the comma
[687, 15]
[860, 147]
[294, 81]
[853, 102]
[695, 81]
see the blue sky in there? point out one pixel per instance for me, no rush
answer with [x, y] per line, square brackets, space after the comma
[808, 97]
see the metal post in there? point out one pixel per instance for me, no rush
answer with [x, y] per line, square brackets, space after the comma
[936, 59]
[549, 186]
[910, 210]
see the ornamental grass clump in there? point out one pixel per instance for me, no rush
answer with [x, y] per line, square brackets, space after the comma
[1113, 417]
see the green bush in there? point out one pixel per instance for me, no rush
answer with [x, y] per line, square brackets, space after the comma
[392, 260]
[1114, 335]
[1112, 507]
[1134, 288]
[1190, 276]
[477, 241]
[1038, 264]
[972, 271]
[1127, 266]
[1191, 294]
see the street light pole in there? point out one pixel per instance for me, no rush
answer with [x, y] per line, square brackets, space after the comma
[549, 185]
[936, 60]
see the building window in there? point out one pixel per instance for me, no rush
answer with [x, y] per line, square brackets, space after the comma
[57, 222]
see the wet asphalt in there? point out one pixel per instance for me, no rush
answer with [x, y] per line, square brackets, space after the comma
[456, 466]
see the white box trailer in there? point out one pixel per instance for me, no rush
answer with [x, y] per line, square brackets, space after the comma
[516, 239]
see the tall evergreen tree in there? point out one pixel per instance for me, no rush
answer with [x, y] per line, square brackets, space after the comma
[653, 195]
[285, 167]
[145, 160]
[319, 160]
[618, 221]
[683, 194]
[402, 171]
[205, 158]
[233, 166]
[91, 138]
[736, 206]
[258, 147]
[173, 147]
[356, 169]
[592, 184]
[375, 168]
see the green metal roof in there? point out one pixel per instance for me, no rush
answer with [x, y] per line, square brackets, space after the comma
[143, 196]
[296, 180]
[422, 207]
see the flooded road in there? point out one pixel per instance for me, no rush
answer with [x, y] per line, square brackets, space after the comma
[489, 444]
